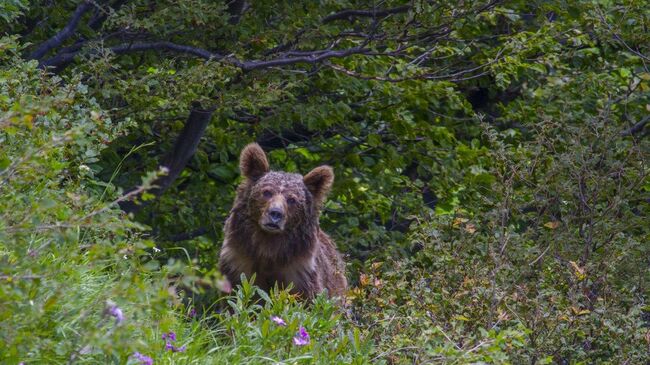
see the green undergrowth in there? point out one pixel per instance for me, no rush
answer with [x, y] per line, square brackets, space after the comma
[78, 281]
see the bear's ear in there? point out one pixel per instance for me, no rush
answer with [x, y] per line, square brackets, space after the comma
[252, 162]
[319, 182]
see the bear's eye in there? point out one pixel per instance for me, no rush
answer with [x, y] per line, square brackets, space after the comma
[291, 201]
[267, 194]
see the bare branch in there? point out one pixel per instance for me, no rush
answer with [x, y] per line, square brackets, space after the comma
[166, 46]
[64, 59]
[315, 57]
[312, 57]
[636, 128]
[454, 77]
[373, 13]
[63, 34]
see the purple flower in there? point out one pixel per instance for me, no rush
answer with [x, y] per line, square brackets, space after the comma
[301, 338]
[172, 348]
[193, 312]
[144, 360]
[113, 310]
[279, 321]
[171, 336]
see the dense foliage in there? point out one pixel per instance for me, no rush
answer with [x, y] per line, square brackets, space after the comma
[491, 195]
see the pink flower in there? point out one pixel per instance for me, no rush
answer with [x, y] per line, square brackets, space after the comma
[279, 321]
[224, 285]
[301, 338]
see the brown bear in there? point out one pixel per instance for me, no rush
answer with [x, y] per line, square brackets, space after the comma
[273, 230]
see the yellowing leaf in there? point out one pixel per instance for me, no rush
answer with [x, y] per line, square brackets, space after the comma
[354, 293]
[579, 271]
[552, 225]
[579, 312]
[458, 221]
[470, 228]
[364, 279]
[27, 119]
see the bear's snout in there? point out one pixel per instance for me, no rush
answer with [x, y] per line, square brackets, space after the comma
[276, 215]
[273, 220]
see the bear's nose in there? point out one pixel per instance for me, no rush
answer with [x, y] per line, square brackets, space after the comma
[276, 215]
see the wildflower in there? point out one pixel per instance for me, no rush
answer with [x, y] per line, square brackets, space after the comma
[171, 336]
[301, 338]
[172, 348]
[224, 285]
[279, 321]
[113, 310]
[193, 312]
[144, 360]
[180, 349]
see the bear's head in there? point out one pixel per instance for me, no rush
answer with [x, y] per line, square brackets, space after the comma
[279, 202]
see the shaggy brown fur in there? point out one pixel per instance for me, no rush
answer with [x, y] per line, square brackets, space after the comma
[273, 230]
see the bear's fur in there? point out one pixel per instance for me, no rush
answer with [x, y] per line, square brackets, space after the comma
[273, 230]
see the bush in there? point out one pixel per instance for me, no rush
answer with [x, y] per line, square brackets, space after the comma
[546, 266]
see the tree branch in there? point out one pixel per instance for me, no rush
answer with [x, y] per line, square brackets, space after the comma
[63, 34]
[373, 13]
[236, 9]
[636, 128]
[165, 46]
[310, 57]
[315, 57]
[184, 148]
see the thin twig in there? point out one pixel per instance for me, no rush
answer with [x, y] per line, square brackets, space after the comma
[540, 256]
[350, 14]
